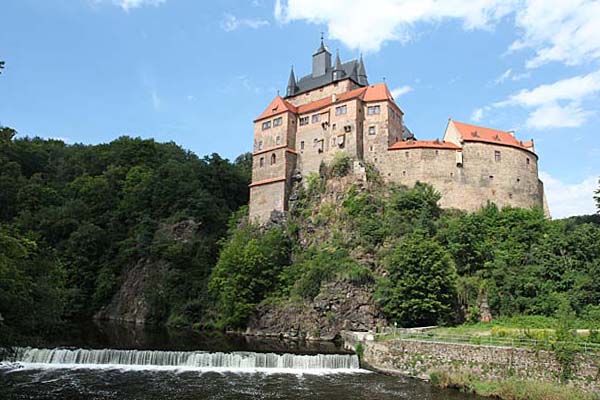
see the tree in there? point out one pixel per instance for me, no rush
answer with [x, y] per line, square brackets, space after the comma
[420, 288]
[1, 66]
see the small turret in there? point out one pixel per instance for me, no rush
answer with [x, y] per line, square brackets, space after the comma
[362, 73]
[338, 71]
[292, 86]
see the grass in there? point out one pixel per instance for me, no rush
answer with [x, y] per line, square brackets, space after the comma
[511, 389]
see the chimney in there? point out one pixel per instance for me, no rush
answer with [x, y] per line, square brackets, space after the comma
[333, 98]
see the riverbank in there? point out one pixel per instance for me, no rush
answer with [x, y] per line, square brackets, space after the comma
[509, 373]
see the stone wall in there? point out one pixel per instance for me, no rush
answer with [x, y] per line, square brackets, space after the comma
[342, 86]
[266, 198]
[419, 359]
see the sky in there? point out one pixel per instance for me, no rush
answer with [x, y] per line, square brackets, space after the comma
[198, 72]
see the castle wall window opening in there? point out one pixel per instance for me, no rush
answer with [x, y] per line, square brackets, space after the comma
[304, 120]
[373, 110]
[277, 121]
[262, 162]
[273, 159]
[341, 110]
[260, 145]
[372, 130]
[316, 118]
[266, 125]
[497, 156]
[278, 140]
[302, 145]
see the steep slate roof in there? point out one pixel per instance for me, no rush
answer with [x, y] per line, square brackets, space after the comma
[308, 82]
[423, 144]
[474, 133]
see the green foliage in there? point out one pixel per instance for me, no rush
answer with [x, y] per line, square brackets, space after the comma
[341, 165]
[419, 289]
[246, 271]
[359, 350]
[94, 210]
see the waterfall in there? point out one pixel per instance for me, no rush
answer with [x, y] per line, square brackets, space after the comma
[185, 359]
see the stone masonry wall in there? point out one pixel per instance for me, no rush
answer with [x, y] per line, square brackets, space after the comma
[419, 359]
[335, 88]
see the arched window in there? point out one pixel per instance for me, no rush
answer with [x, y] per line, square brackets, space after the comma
[273, 159]
[262, 162]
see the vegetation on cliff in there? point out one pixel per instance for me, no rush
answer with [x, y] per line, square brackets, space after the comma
[72, 217]
[426, 265]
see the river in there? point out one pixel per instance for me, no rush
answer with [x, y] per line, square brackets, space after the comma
[115, 361]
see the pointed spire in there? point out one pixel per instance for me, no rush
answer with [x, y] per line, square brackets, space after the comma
[354, 72]
[362, 72]
[292, 86]
[338, 70]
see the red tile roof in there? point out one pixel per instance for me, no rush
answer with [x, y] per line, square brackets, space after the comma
[474, 133]
[423, 144]
[378, 92]
[277, 106]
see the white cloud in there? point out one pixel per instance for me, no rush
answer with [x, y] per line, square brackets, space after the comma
[566, 31]
[402, 90]
[556, 116]
[131, 4]
[559, 30]
[566, 199]
[477, 115]
[510, 74]
[557, 105]
[367, 24]
[230, 23]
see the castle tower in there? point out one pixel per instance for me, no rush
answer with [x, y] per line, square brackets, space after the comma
[338, 70]
[321, 63]
[292, 86]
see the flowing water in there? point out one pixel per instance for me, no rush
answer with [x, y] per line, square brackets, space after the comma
[192, 366]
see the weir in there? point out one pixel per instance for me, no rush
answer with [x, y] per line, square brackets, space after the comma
[185, 359]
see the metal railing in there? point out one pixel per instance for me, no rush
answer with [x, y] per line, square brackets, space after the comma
[484, 340]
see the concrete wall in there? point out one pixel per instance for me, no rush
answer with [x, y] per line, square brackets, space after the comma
[419, 359]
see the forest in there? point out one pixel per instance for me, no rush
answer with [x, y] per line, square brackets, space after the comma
[72, 217]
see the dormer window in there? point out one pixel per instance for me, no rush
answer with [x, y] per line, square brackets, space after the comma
[277, 121]
[373, 110]
[266, 125]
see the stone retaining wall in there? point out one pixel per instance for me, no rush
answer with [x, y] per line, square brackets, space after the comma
[418, 359]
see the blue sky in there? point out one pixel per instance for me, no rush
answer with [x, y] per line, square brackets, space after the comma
[198, 72]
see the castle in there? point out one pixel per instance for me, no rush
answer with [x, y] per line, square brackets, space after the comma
[335, 109]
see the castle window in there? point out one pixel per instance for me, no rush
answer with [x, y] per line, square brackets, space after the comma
[497, 155]
[370, 148]
[491, 177]
[260, 145]
[341, 141]
[510, 195]
[320, 146]
[403, 173]
[262, 162]
[278, 140]
[528, 160]
[266, 125]
[302, 145]
[518, 180]
[372, 110]
[347, 128]
[273, 159]
[407, 154]
[341, 110]
[277, 121]
[333, 140]
[304, 120]
[316, 118]
[372, 130]
[333, 127]
[437, 152]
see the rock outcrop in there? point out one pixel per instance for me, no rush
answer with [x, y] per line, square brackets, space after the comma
[339, 306]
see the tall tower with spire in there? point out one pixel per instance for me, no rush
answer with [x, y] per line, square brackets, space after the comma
[338, 70]
[321, 60]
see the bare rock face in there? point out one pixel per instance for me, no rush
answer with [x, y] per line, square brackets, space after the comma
[339, 306]
[129, 303]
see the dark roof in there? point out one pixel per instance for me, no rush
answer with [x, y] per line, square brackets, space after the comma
[308, 82]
